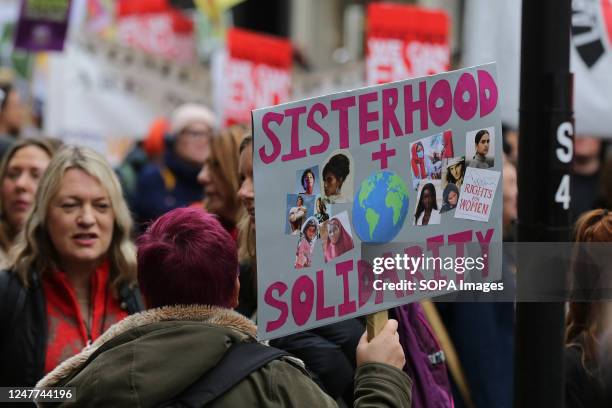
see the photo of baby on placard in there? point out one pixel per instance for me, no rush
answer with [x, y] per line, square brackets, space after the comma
[426, 156]
[429, 203]
[336, 236]
[479, 146]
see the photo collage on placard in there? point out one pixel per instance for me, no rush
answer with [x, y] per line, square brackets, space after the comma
[309, 210]
[429, 158]
[479, 183]
[438, 174]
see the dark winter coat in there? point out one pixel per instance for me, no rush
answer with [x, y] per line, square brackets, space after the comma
[152, 356]
[164, 187]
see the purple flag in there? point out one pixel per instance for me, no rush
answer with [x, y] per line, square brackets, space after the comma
[42, 25]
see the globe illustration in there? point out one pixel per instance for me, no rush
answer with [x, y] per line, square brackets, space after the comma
[380, 207]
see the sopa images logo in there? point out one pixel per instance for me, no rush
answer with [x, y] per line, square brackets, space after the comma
[592, 29]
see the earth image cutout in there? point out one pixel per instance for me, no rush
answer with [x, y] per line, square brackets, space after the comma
[380, 207]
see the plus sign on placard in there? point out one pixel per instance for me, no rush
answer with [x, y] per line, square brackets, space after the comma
[383, 154]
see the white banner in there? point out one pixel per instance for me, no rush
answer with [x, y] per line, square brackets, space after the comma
[104, 96]
[492, 32]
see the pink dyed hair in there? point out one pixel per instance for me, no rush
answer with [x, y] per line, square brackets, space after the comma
[187, 257]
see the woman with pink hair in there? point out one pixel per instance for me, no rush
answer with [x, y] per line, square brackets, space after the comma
[338, 240]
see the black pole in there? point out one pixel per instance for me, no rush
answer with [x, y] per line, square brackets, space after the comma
[545, 154]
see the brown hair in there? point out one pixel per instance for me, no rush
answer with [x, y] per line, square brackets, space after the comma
[583, 318]
[246, 230]
[224, 166]
[7, 232]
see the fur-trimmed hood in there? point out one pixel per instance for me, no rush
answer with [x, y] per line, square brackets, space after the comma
[194, 338]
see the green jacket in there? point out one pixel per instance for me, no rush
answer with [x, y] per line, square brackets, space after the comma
[150, 357]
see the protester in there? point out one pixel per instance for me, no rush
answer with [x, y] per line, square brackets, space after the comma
[327, 351]
[427, 207]
[73, 270]
[219, 176]
[173, 183]
[482, 141]
[510, 139]
[586, 173]
[246, 234]
[587, 375]
[605, 185]
[187, 269]
[510, 195]
[148, 150]
[20, 171]
[12, 114]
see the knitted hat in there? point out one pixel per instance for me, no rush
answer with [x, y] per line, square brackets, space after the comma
[153, 143]
[189, 114]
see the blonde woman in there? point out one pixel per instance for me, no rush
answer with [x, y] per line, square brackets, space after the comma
[221, 180]
[20, 172]
[72, 272]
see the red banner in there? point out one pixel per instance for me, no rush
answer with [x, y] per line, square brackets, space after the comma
[156, 27]
[405, 42]
[257, 74]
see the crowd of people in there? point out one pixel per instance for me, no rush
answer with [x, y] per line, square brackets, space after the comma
[138, 285]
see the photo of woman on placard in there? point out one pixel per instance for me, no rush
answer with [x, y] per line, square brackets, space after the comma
[427, 208]
[338, 240]
[427, 155]
[321, 211]
[450, 197]
[308, 181]
[482, 143]
[455, 171]
[296, 215]
[334, 174]
[305, 248]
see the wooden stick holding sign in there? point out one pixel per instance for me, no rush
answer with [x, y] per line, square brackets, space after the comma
[375, 323]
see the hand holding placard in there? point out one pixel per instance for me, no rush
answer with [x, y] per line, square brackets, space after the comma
[384, 348]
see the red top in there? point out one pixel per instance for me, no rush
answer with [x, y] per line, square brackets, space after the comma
[67, 332]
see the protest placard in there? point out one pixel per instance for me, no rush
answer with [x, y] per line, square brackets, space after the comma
[42, 25]
[357, 147]
[125, 90]
[256, 73]
[156, 28]
[405, 41]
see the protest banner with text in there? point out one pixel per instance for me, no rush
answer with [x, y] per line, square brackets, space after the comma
[257, 73]
[344, 176]
[405, 42]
